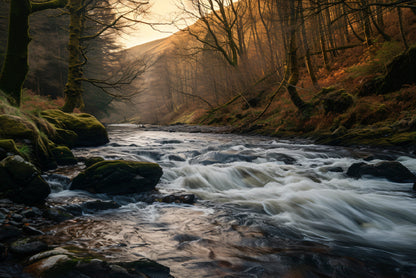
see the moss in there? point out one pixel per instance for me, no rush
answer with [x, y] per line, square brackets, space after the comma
[63, 155]
[337, 101]
[7, 146]
[12, 127]
[92, 160]
[89, 131]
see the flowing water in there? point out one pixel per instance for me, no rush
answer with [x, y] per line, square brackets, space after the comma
[266, 208]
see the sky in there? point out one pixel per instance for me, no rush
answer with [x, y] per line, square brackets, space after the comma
[160, 11]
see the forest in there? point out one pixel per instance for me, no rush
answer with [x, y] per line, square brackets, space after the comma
[263, 138]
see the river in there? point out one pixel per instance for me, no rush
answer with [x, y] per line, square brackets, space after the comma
[266, 208]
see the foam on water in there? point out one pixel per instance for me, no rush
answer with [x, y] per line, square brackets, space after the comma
[300, 186]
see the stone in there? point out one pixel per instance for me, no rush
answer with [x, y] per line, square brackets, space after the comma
[391, 170]
[3, 252]
[25, 247]
[93, 206]
[21, 181]
[32, 231]
[63, 155]
[89, 131]
[92, 160]
[183, 199]
[118, 177]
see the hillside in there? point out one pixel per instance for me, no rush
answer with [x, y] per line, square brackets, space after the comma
[190, 83]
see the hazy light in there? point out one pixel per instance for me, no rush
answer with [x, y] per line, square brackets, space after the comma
[161, 11]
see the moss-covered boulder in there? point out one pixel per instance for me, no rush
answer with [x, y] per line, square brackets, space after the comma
[21, 182]
[88, 130]
[63, 155]
[22, 129]
[117, 177]
[337, 101]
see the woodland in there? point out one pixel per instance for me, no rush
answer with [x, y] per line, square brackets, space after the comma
[115, 159]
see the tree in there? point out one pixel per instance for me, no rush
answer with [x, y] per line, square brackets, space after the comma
[15, 65]
[121, 13]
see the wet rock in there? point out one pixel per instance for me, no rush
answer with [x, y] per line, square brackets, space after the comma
[26, 247]
[21, 182]
[3, 252]
[17, 217]
[32, 231]
[390, 170]
[286, 159]
[73, 209]
[98, 205]
[32, 212]
[54, 266]
[335, 169]
[89, 131]
[92, 160]
[173, 157]
[8, 232]
[118, 177]
[57, 214]
[60, 262]
[63, 155]
[183, 199]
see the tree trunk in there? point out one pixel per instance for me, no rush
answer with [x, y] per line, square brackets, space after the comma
[293, 62]
[73, 87]
[402, 33]
[15, 66]
[308, 60]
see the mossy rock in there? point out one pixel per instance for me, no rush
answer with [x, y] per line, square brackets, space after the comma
[65, 137]
[24, 130]
[14, 127]
[8, 147]
[21, 181]
[337, 101]
[117, 177]
[89, 130]
[92, 160]
[400, 71]
[63, 155]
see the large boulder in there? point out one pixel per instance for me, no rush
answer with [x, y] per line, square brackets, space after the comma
[76, 129]
[117, 177]
[391, 170]
[21, 182]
